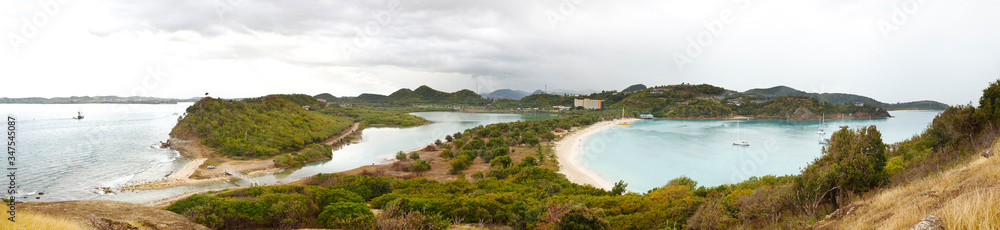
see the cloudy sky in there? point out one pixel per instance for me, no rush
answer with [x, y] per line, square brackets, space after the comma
[895, 50]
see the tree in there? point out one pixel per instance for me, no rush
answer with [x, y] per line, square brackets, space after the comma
[619, 188]
[854, 161]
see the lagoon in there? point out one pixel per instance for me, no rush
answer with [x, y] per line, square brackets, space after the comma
[649, 153]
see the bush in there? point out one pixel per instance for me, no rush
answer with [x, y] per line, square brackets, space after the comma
[459, 164]
[420, 166]
[529, 161]
[324, 196]
[503, 161]
[347, 215]
[414, 156]
[500, 151]
[401, 156]
[447, 153]
[854, 162]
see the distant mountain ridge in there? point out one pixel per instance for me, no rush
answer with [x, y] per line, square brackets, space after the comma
[421, 95]
[507, 94]
[840, 98]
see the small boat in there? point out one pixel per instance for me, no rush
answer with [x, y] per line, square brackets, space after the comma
[824, 141]
[739, 142]
[823, 120]
[820, 132]
[79, 115]
[623, 117]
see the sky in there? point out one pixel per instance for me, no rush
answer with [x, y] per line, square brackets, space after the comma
[892, 51]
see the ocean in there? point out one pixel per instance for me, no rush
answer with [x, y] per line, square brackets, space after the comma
[649, 153]
[59, 158]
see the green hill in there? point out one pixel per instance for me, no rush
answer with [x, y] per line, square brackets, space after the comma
[841, 98]
[407, 97]
[257, 127]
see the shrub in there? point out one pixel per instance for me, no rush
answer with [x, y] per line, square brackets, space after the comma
[414, 156]
[401, 156]
[347, 215]
[502, 151]
[420, 166]
[447, 153]
[324, 196]
[459, 163]
[529, 161]
[503, 161]
[854, 162]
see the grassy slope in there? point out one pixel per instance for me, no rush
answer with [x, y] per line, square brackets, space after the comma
[964, 197]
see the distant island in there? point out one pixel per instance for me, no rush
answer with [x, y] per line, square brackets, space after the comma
[95, 100]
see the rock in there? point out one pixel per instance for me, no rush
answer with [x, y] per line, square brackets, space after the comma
[987, 153]
[930, 222]
[842, 212]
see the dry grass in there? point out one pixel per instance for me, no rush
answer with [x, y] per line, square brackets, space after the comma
[965, 197]
[34, 221]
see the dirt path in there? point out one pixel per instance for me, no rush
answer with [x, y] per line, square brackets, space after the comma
[334, 139]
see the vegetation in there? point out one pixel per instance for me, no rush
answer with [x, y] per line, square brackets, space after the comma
[843, 98]
[788, 106]
[256, 128]
[392, 116]
[311, 153]
[27, 220]
[422, 95]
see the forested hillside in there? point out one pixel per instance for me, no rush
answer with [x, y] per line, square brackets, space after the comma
[842, 98]
[258, 127]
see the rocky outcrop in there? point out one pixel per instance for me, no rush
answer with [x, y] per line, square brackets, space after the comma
[189, 148]
[987, 153]
[930, 222]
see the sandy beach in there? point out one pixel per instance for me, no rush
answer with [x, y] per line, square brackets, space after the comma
[570, 153]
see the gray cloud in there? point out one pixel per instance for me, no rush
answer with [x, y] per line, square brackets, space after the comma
[820, 45]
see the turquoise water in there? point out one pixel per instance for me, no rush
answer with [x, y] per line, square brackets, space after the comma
[377, 145]
[649, 153]
[70, 159]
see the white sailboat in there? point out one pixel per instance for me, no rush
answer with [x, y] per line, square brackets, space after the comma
[623, 117]
[738, 141]
[822, 125]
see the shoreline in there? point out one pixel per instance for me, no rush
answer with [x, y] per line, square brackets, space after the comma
[570, 154]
